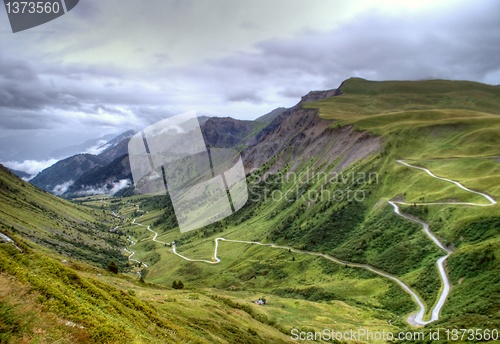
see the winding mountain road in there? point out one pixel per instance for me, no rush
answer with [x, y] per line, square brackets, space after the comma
[405, 287]
[131, 253]
[488, 197]
[415, 319]
[133, 242]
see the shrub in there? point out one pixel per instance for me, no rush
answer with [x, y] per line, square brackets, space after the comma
[177, 284]
[113, 267]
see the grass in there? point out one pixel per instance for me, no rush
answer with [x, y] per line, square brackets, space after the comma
[23, 319]
[83, 303]
[262, 269]
[101, 307]
[474, 173]
[442, 118]
[252, 270]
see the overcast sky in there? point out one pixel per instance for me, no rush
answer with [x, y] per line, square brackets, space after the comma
[112, 65]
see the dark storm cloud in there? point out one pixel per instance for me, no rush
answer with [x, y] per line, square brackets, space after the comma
[244, 96]
[43, 96]
[20, 86]
[459, 44]
[128, 72]
[22, 119]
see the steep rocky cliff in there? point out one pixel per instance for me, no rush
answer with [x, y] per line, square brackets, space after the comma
[300, 134]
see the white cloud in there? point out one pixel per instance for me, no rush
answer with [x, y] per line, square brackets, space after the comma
[62, 188]
[30, 166]
[98, 148]
[122, 184]
[108, 189]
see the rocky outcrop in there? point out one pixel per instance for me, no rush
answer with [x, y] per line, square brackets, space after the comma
[299, 135]
[227, 132]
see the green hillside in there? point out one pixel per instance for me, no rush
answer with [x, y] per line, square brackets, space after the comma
[83, 304]
[444, 118]
[48, 293]
[54, 223]
[452, 128]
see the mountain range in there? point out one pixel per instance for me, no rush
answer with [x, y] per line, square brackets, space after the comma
[108, 172]
[372, 206]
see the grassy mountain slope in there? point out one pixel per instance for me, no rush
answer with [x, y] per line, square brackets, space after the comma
[459, 118]
[84, 304]
[49, 294]
[450, 127]
[57, 224]
[303, 292]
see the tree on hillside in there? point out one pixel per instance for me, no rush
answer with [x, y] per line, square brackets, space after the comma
[177, 284]
[143, 274]
[113, 267]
